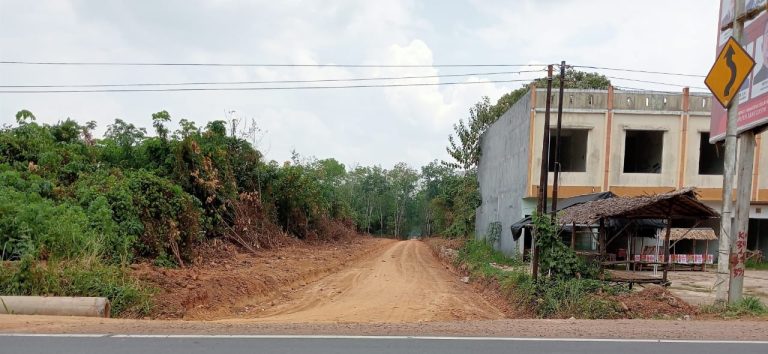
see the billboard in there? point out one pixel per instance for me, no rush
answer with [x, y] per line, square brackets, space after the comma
[753, 93]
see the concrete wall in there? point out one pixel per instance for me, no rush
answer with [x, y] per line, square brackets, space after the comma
[503, 173]
[670, 125]
[595, 124]
[696, 126]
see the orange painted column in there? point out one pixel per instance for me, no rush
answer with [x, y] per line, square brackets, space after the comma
[683, 137]
[531, 140]
[608, 129]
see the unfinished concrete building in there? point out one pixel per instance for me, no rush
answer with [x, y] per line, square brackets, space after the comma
[630, 143]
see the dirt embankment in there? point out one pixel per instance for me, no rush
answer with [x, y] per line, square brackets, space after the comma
[226, 283]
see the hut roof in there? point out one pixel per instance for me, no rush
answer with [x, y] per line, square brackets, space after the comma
[562, 204]
[678, 204]
[692, 234]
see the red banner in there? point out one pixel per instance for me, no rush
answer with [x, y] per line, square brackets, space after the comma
[753, 94]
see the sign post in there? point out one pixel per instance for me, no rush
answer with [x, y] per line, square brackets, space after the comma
[732, 67]
[743, 96]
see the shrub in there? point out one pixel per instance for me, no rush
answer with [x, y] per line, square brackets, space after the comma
[151, 215]
[32, 224]
[85, 277]
[548, 297]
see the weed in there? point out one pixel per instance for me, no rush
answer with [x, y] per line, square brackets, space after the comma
[85, 277]
[752, 264]
[549, 297]
[749, 306]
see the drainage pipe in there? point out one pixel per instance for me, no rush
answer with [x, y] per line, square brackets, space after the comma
[55, 306]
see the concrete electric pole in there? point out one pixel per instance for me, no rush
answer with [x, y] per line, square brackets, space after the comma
[729, 170]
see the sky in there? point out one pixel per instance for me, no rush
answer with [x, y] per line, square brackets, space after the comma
[360, 126]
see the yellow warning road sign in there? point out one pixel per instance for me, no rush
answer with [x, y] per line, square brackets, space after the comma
[731, 68]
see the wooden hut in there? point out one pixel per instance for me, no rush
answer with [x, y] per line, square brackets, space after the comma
[675, 206]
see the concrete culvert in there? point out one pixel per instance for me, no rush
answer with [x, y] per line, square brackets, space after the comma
[55, 306]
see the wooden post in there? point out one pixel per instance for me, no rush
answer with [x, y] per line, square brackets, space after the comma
[542, 204]
[573, 236]
[694, 255]
[666, 251]
[601, 240]
[601, 246]
[628, 253]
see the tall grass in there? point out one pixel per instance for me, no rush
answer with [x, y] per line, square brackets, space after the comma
[83, 277]
[546, 297]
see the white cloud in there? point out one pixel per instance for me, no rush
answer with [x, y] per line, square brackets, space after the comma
[373, 125]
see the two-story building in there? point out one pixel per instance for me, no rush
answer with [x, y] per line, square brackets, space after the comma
[627, 142]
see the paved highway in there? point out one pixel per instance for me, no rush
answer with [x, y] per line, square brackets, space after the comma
[182, 344]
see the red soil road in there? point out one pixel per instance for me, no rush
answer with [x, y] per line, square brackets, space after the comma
[404, 282]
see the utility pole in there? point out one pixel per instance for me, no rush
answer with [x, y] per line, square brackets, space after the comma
[741, 222]
[542, 205]
[557, 138]
[729, 170]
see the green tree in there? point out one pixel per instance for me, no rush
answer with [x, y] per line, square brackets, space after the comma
[158, 121]
[465, 147]
[403, 181]
[23, 115]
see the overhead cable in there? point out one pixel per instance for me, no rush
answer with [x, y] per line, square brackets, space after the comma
[273, 81]
[637, 71]
[655, 82]
[268, 88]
[95, 63]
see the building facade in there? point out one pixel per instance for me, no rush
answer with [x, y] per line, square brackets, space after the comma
[628, 142]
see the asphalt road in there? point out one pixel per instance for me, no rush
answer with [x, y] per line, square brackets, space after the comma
[180, 344]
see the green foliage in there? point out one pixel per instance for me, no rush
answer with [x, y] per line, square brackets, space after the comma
[158, 122]
[80, 278]
[494, 233]
[555, 258]
[478, 255]
[549, 297]
[748, 306]
[451, 199]
[575, 297]
[752, 264]
[23, 115]
[32, 224]
[465, 148]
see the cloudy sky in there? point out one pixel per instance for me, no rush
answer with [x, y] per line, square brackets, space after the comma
[356, 126]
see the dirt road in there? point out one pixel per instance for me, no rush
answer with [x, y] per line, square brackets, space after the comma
[396, 285]
[402, 283]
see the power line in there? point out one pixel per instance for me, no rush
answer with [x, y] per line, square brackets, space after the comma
[261, 88]
[655, 82]
[272, 81]
[626, 88]
[637, 71]
[93, 63]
